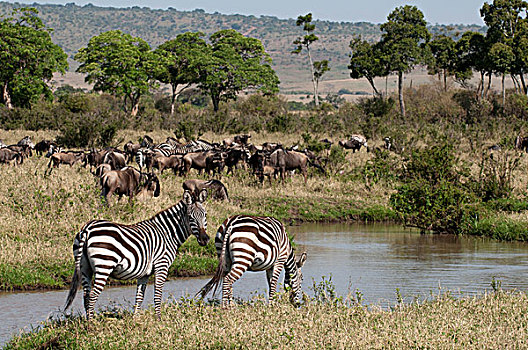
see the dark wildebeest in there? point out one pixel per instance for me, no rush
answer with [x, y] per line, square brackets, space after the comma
[283, 161]
[128, 182]
[355, 143]
[172, 162]
[69, 158]
[218, 189]
[44, 146]
[521, 143]
[8, 156]
[235, 156]
[102, 169]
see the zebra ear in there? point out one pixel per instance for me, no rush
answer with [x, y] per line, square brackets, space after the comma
[202, 196]
[187, 197]
[301, 260]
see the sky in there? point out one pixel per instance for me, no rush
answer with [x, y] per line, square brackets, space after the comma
[435, 11]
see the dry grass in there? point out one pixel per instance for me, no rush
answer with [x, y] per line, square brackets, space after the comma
[490, 321]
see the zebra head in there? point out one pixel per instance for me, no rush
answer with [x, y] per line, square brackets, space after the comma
[197, 215]
[293, 279]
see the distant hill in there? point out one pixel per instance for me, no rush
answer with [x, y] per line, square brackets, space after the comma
[74, 26]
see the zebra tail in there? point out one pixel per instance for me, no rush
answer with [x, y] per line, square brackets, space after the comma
[76, 279]
[220, 270]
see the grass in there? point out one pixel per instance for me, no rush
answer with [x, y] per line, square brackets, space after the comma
[494, 320]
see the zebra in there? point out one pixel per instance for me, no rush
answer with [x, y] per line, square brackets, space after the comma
[103, 249]
[254, 243]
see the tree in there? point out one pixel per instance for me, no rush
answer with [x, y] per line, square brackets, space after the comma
[181, 59]
[28, 58]
[472, 54]
[119, 64]
[366, 61]
[444, 58]
[236, 63]
[507, 25]
[317, 68]
[402, 35]
[502, 57]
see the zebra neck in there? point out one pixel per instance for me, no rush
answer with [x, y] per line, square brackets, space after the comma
[290, 270]
[174, 222]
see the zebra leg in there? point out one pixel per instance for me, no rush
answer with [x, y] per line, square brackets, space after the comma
[159, 282]
[140, 292]
[99, 282]
[87, 274]
[227, 285]
[273, 278]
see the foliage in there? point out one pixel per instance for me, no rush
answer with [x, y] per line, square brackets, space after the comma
[117, 63]
[496, 175]
[433, 195]
[181, 59]
[403, 34]
[236, 63]
[366, 61]
[29, 58]
[317, 68]
[89, 130]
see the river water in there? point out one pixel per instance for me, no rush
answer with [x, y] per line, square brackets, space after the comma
[373, 261]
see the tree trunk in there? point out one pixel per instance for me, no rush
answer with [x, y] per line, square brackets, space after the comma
[371, 81]
[445, 80]
[400, 93]
[481, 85]
[173, 98]
[489, 84]
[503, 90]
[135, 108]
[316, 93]
[216, 102]
[7, 98]
[523, 84]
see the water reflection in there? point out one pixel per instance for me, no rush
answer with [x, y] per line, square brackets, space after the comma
[373, 259]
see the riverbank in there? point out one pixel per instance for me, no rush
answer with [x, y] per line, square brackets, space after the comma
[493, 320]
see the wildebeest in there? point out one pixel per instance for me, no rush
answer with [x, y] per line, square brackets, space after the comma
[116, 160]
[69, 158]
[521, 143]
[198, 161]
[234, 157]
[131, 150]
[24, 150]
[354, 143]
[283, 161]
[128, 182]
[161, 163]
[218, 189]
[44, 146]
[8, 156]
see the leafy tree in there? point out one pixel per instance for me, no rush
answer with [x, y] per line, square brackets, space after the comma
[236, 63]
[181, 59]
[472, 54]
[403, 33]
[507, 25]
[28, 58]
[366, 61]
[444, 57]
[502, 57]
[119, 64]
[317, 68]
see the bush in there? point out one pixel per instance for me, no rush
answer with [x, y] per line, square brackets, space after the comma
[433, 196]
[89, 130]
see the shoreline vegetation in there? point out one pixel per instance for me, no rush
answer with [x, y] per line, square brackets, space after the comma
[494, 319]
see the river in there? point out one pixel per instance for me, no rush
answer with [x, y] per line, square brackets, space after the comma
[373, 261]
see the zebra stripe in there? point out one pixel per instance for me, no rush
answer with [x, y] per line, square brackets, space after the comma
[103, 249]
[249, 243]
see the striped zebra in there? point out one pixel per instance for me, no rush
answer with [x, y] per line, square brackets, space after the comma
[256, 244]
[103, 249]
